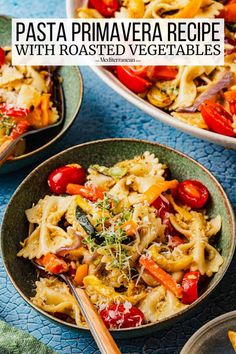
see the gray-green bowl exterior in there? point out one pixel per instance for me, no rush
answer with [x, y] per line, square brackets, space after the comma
[38, 145]
[108, 152]
[212, 338]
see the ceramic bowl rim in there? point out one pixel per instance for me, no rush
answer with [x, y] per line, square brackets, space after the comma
[210, 324]
[64, 129]
[130, 140]
[150, 109]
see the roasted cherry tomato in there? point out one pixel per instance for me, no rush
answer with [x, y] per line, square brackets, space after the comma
[163, 207]
[12, 111]
[89, 191]
[134, 82]
[229, 12]
[193, 193]
[53, 264]
[217, 118]
[122, 316]
[20, 128]
[107, 8]
[2, 57]
[190, 287]
[62, 176]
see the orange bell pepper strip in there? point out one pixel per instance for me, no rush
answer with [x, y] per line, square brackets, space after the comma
[190, 10]
[53, 264]
[129, 227]
[81, 272]
[45, 105]
[161, 276]
[89, 192]
[156, 189]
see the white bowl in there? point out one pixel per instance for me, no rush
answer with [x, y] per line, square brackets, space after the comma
[115, 84]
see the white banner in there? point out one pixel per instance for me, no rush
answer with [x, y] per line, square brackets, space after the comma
[118, 42]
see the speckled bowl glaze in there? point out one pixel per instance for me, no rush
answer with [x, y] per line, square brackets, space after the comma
[110, 79]
[212, 338]
[38, 145]
[108, 152]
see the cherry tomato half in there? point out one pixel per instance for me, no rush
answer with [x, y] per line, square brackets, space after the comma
[217, 118]
[155, 72]
[2, 56]
[193, 193]
[120, 316]
[107, 8]
[62, 176]
[134, 82]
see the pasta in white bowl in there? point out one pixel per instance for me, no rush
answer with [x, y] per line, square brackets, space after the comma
[175, 95]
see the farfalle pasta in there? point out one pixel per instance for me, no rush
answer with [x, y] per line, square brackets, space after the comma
[132, 238]
[201, 96]
[25, 100]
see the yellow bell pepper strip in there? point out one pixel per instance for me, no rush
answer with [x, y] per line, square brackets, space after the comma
[183, 212]
[129, 227]
[81, 273]
[161, 276]
[190, 10]
[170, 265]
[156, 189]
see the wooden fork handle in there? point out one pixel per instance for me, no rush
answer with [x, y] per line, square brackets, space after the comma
[100, 333]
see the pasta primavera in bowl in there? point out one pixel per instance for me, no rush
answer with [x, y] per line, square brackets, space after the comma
[141, 245]
[201, 96]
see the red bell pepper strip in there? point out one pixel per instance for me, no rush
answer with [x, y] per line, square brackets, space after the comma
[2, 57]
[12, 111]
[161, 276]
[230, 97]
[190, 289]
[106, 8]
[89, 192]
[21, 127]
[134, 82]
[53, 264]
[217, 118]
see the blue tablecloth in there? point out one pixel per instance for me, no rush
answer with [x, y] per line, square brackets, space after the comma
[103, 115]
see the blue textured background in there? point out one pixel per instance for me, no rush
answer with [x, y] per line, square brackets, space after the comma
[103, 115]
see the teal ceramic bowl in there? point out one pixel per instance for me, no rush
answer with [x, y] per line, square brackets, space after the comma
[107, 152]
[38, 145]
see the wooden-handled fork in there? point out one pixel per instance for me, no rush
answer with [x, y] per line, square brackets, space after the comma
[99, 331]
